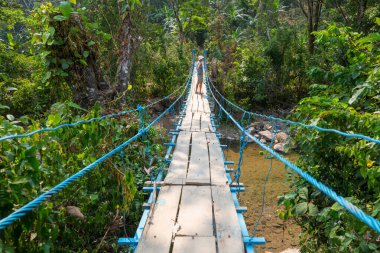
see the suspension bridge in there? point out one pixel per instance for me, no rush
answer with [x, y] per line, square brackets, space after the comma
[193, 204]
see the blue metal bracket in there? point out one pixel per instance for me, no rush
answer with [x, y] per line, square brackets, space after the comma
[241, 209]
[147, 206]
[237, 189]
[229, 162]
[234, 184]
[127, 241]
[170, 144]
[150, 188]
[254, 240]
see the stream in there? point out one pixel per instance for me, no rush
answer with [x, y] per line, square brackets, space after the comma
[279, 236]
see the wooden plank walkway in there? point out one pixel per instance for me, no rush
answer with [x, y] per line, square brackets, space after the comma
[194, 211]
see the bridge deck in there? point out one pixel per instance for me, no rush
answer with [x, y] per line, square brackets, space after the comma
[194, 211]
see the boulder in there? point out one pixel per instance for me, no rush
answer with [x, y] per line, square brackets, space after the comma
[267, 135]
[251, 130]
[257, 125]
[279, 147]
[230, 138]
[262, 140]
[281, 137]
[256, 136]
[267, 126]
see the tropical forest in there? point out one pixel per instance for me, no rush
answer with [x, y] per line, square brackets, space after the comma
[97, 99]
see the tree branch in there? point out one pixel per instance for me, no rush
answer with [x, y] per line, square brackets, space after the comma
[337, 5]
[302, 8]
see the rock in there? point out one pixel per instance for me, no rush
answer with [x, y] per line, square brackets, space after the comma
[279, 147]
[267, 135]
[281, 137]
[230, 138]
[290, 250]
[251, 130]
[262, 140]
[256, 136]
[267, 126]
[257, 125]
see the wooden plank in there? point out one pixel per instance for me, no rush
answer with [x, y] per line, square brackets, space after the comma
[190, 101]
[194, 101]
[195, 212]
[228, 232]
[186, 244]
[200, 103]
[178, 167]
[158, 231]
[196, 122]
[205, 122]
[217, 170]
[206, 106]
[199, 165]
[186, 122]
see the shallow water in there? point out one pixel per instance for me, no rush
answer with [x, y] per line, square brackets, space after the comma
[279, 236]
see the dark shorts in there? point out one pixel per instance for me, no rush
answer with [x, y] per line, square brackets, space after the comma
[200, 78]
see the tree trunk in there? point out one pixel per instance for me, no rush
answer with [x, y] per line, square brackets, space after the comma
[123, 72]
[312, 10]
[85, 79]
[361, 10]
[175, 7]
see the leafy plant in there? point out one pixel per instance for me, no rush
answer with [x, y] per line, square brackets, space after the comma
[345, 101]
[92, 207]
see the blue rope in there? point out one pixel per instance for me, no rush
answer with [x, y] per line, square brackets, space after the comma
[43, 197]
[321, 129]
[144, 117]
[243, 145]
[274, 134]
[242, 119]
[66, 125]
[358, 213]
[43, 130]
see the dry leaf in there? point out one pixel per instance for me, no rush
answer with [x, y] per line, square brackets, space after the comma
[75, 211]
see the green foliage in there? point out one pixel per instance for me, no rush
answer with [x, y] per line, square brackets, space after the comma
[349, 166]
[10, 14]
[31, 166]
[59, 44]
[348, 64]
[20, 72]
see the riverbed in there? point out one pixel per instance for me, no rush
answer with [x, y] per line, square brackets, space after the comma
[279, 235]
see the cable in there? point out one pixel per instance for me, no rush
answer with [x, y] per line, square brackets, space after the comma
[321, 129]
[43, 130]
[40, 199]
[358, 213]
[265, 182]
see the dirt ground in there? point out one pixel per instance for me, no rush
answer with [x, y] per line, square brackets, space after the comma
[279, 236]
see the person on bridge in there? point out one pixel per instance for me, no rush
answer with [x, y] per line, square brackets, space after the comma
[199, 74]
